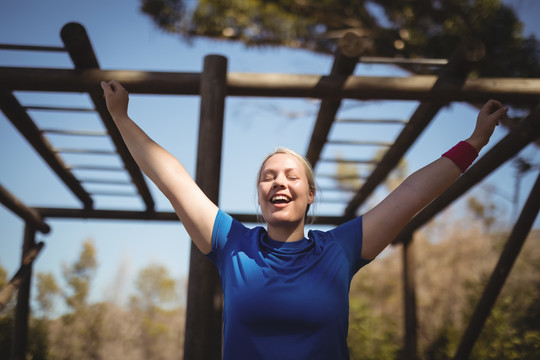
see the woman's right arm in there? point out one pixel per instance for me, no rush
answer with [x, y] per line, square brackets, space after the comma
[192, 206]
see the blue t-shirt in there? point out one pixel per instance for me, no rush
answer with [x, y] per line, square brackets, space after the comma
[285, 300]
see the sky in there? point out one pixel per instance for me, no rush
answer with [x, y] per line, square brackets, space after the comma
[124, 38]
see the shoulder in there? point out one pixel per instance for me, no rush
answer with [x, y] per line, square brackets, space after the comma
[228, 230]
[349, 229]
[349, 237]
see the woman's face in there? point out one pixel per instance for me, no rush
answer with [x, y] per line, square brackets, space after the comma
[283, 190]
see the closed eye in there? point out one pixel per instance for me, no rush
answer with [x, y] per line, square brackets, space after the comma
[268, 178]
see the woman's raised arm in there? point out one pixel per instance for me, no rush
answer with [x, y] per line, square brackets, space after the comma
[192, 206]
[384, 222]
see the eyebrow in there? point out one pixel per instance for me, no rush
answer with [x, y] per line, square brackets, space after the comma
[274, 170]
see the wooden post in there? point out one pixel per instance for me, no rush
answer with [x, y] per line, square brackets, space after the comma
[204, 304]
[22, 311]
[500, 273]
[409, 296]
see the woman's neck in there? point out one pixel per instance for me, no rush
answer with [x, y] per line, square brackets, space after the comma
[286, 233]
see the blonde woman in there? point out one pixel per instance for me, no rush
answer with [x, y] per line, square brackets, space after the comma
[286, 294]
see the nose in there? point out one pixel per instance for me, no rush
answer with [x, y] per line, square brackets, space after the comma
[279, 181]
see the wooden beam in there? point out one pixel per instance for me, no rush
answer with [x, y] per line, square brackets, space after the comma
[452, 77]
[29, 215]
[523, 134]
[25, 125]
[204, 303]
[17, 280]
[32, 48]
[342, 68]
[80, 49]
[519, 90]
[66, 213]
[496, 282]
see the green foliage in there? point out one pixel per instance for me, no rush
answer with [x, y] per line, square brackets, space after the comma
[155, 287]
[512, 330]
[348, 177]
[483, 211]
[38, 344]
[3, 277]
[371, 336]
[451, 276]
[78, 276]
[445, 344]
[47, 289]
[413, 28]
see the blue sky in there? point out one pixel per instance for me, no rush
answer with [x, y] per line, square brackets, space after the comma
[123, 38]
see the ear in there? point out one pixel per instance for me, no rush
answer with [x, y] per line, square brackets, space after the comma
[311, 196]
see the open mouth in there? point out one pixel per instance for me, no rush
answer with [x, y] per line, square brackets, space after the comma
[280, 199]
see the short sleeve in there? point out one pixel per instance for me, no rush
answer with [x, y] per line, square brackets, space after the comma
[350, 237]
[220, 232]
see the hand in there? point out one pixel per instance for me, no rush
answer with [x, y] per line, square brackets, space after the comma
[488, 118]
[117, 98]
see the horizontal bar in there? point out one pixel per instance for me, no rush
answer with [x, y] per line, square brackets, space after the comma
[359, 143]
[27, 127]
[340, 177]
[350, 161]
[519, 90]
[372, 121]
[336, 189]
[334, 201]
[74, 132]
[106, 181]
[57, 108]
[154, 216]
[96, 167]
[401, 61]
[84, 151]
[32, 48]
[114, 193]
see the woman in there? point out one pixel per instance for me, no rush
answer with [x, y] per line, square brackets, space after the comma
[286, 295]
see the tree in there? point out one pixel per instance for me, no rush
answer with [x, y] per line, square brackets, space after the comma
[80, 333]
[155, 290]
[3, 277]
[155, 287]
[393, 28]
[6, 318]
[47, 289]
[347, 175]
[484, 211]
[78, 276]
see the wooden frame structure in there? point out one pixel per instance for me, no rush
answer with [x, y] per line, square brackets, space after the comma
[213, 85]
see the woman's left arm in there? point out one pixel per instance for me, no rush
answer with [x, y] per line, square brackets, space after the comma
[384, 222]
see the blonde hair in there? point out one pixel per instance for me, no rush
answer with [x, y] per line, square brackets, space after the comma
[308, 169]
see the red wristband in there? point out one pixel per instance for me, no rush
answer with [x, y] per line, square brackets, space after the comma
[463, 155]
